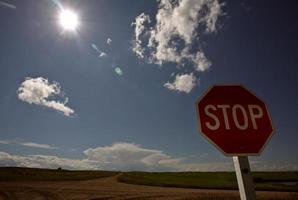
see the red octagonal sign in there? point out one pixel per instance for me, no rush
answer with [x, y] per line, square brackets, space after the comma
[234, 120]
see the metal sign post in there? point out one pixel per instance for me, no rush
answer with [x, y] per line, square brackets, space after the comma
[244, 178]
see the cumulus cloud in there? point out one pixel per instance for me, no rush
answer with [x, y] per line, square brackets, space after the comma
[175, 35]
[109, 41]
[182, 83]
[119, 156]
[40, 91]
[128, 156]
[177, 27]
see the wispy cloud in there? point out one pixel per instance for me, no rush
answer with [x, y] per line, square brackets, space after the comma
[28, 144]
[5, 142]
[8, 5]
[37, 145]
[175, 36]
[39, 90]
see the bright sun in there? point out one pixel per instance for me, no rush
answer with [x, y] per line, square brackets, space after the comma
[68, 20]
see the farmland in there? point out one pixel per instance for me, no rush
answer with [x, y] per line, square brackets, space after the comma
[56, 184]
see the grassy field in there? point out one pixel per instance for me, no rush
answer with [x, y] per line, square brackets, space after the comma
[32, 174]
[271, 181]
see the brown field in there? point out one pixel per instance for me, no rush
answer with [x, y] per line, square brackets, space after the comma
[110, 188]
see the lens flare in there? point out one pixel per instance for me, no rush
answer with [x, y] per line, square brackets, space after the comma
[118, 71]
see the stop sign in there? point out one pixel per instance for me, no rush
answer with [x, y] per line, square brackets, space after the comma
[234, 120]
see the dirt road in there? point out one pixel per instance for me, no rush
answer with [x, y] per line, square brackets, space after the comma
[110, 188]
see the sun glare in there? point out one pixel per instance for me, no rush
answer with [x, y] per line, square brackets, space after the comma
[68, 20]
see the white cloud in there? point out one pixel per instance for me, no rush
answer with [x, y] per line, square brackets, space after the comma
[28, 144]
[177, 24]
[129, 156]
[109, 41]
[175, 35]
[5, 142]
[212, 16]
[7, 5]
[201, 62]
[39, 91]
[182, 83]
[139, 29]
[37, 145]
[119, 156]
[44, 161]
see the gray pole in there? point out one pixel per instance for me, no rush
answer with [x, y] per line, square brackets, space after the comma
[244, 178]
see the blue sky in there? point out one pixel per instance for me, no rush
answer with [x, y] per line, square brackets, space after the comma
[73, 99]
